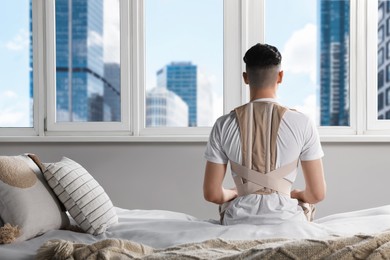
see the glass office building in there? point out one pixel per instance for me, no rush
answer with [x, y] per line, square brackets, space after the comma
[383, 59]
[165, 108]
[334, 63]
[79, 56]
[181, 78]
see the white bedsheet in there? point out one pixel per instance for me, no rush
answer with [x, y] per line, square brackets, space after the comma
[161, 229]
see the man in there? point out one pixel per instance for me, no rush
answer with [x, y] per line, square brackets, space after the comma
[268, 140]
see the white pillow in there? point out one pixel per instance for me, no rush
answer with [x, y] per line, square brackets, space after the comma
[26, 200]
[82, 196]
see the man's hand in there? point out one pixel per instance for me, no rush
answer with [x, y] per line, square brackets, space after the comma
[230, 194]
[297, 194]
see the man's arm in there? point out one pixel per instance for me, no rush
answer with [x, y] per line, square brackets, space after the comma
[212, 184]
[315, 189]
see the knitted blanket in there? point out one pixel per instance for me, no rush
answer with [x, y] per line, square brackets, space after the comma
[354, 247]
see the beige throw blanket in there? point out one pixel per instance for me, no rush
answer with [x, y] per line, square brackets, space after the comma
[355, 247]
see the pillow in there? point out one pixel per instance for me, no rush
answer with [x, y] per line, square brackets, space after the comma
[81, 195]
[26, 201]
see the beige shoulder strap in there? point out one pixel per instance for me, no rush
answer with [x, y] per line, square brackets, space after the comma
[259, 124]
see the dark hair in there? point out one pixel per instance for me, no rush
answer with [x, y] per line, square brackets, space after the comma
[262, 56]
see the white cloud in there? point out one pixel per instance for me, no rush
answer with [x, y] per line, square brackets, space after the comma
[19, 42]
[210, 104]
[94, 39]
[111, 31]
[9, 94]
[299, 52]
[204, 101]
[14, 110]
[310, 108]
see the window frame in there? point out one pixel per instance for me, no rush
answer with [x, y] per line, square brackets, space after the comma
[232, 33]
[79, 128]
[243, 26]
[38, 76]
[374, 126]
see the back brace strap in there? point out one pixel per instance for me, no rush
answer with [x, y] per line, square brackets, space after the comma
[259, 124]
[249, 181]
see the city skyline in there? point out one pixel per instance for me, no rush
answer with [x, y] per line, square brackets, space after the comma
[165, 108]
[83, 92]
[16, 41]
[181, 78]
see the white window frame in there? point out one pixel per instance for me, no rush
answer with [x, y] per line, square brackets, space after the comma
[37, 78]
[232, 82]
[328, 132]
[374, 125]
[243, 27]
[92, 128]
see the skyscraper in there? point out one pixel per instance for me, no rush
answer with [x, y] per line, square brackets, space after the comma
[181, 78]
[165, 108]
[383, 60]
[112, 90]
[334, 63]
[79, 56]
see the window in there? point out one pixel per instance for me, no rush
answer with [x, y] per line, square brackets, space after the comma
[381, 57]
[378, 118]
[388, 50]
[184, 63]
[89, 89]
[388, 73]
[388, 26]
[381, 80]
[381, 10]
[315, 50]
[388, 97]
[16, 65]
[383, 107]
[87, 56]
[380, 101]
[381, 34]
[114, 68]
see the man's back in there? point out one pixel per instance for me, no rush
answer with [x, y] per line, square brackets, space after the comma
[293, 137]
[296, 139]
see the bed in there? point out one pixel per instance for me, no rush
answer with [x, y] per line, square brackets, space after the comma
[157, 234]
[358, 234]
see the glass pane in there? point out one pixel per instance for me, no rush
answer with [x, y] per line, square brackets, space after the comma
[315, 47]
[383, 59]
[184, 62]
[88, 64]
[16, 82]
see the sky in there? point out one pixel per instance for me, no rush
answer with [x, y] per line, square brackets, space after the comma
[294, 33]
[175, 32]
[185, 31]
[14, 63]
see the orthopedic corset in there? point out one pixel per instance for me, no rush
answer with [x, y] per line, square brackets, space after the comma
[259, 124]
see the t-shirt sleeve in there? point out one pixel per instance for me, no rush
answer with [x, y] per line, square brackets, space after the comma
[214, 151]
[312, 149]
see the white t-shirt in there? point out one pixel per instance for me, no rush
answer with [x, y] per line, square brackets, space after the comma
[297, 138]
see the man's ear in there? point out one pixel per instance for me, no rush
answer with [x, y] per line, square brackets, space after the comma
[245, 77]
[280, 77]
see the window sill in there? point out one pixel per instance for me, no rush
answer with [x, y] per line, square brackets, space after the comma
[173, 139]
[355, 138]
[104, 139]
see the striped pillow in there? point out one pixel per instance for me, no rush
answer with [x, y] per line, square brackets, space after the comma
[82, 196]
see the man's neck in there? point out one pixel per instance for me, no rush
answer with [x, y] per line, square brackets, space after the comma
[256, 93]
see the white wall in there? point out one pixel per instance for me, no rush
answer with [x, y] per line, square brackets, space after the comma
[169, 175]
